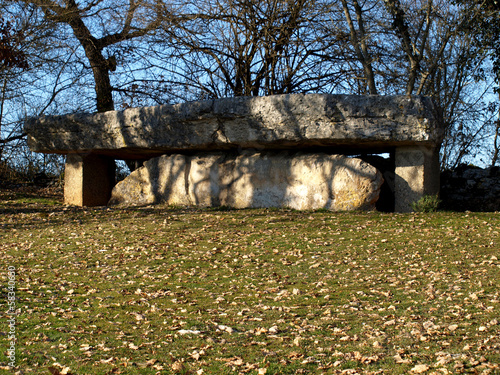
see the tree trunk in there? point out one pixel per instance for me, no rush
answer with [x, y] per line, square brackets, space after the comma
[401, 28]
[99, 65]
[103, 89]
[360, 46]
[2, 100]
[367, 63]
[496, 145]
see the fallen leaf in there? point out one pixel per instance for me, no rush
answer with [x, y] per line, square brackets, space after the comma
[296, 341]
[400, 360]
[196, 356]
[418, 369]
[295, 355]
[225, 328]
[177, 366]
[377, 345]
[188, 332]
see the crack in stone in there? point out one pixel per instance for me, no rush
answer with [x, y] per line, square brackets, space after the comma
[187, 171]
[219, 136]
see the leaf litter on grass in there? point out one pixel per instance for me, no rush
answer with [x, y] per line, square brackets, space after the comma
[171, 290]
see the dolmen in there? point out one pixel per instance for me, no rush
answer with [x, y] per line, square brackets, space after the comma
[298, 151]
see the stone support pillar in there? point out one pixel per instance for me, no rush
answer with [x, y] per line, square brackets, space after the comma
[416, 175]
[88, 179]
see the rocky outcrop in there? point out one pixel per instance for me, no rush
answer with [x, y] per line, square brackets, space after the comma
[268, 179]
[347, 122]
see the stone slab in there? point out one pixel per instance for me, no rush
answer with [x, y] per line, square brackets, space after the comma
[416, 175]
[296, 121]
[88, 180]
[250, 180]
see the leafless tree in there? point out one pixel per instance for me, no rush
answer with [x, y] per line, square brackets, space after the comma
[359, 40]
[140, 52]
[97, 26]
[252, 47]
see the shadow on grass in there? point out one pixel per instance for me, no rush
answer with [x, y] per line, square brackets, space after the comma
[25, 211]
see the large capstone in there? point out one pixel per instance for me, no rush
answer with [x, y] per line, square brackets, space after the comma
[295, 121]
[259, 179]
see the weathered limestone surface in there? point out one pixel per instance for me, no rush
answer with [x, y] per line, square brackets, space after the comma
[88, 180]
[269, 179]
[273, 122]
[416, 175]
[406, 127]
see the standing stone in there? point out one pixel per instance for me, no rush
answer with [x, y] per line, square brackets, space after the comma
[268, 179]
[88, 179]
[416, 175]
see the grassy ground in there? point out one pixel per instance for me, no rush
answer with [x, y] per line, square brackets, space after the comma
[160, 290]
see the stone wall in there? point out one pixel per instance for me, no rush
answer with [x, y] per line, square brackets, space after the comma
[469, 188]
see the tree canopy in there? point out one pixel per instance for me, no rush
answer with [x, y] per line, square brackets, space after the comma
[484, 26]
[98, 55]
[10, 55]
